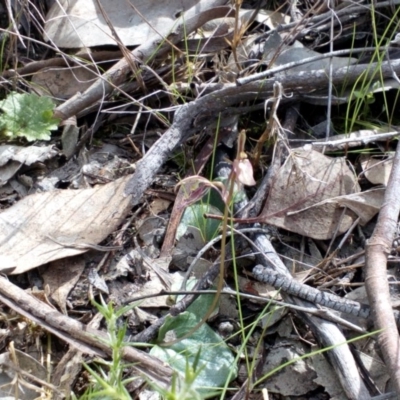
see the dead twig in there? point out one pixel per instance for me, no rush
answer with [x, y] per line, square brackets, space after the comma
[118, 74]
[327, 333]
[79, 335]
[191, 117]
[376, 251]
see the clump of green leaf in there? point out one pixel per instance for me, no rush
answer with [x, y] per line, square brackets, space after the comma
[203, 360]
[27, 115]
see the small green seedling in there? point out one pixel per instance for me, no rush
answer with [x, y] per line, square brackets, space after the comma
[27, 115]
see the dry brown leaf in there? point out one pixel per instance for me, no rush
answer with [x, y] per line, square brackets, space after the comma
[26, 155]
[61, 276]
[79, 23]
[306, 179]
[30, 228]
[365, 204]
[290, 381]
[159, 205]
[10, 379]
[327, 378]
[158, 280]
[12, 158]
[375, 170]
[64, 82]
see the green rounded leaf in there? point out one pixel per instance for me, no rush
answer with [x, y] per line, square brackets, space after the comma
[215, 362]
[27, 115]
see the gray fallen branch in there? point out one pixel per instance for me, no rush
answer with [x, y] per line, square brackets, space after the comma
[193, 19]
[377, 250]
[70, 365]
[313, 295]
[193, 116]
[273, 71]
[327, 333]
[345, 141]
[81, 336]
[308, 24]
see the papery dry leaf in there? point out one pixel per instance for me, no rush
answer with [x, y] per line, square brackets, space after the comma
[61, 276]
[9, 378]
[365, 204]
[159, 205]
[291, 380]
[30, 229]
[12, 158]
[306, 179]
[159, 279]
[63, 82]
[80, 23]
[26, 155]
[375, 170]
[326, 377]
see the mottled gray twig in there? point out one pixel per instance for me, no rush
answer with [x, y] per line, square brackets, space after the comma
[305, 292]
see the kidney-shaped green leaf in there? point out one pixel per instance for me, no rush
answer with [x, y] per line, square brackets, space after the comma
[216, 361]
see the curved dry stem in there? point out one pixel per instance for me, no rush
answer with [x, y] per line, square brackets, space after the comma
[376, 251]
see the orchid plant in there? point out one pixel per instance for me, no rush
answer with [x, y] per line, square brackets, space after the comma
[241, 175]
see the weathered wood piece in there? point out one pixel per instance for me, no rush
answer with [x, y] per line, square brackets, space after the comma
[81, 336]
